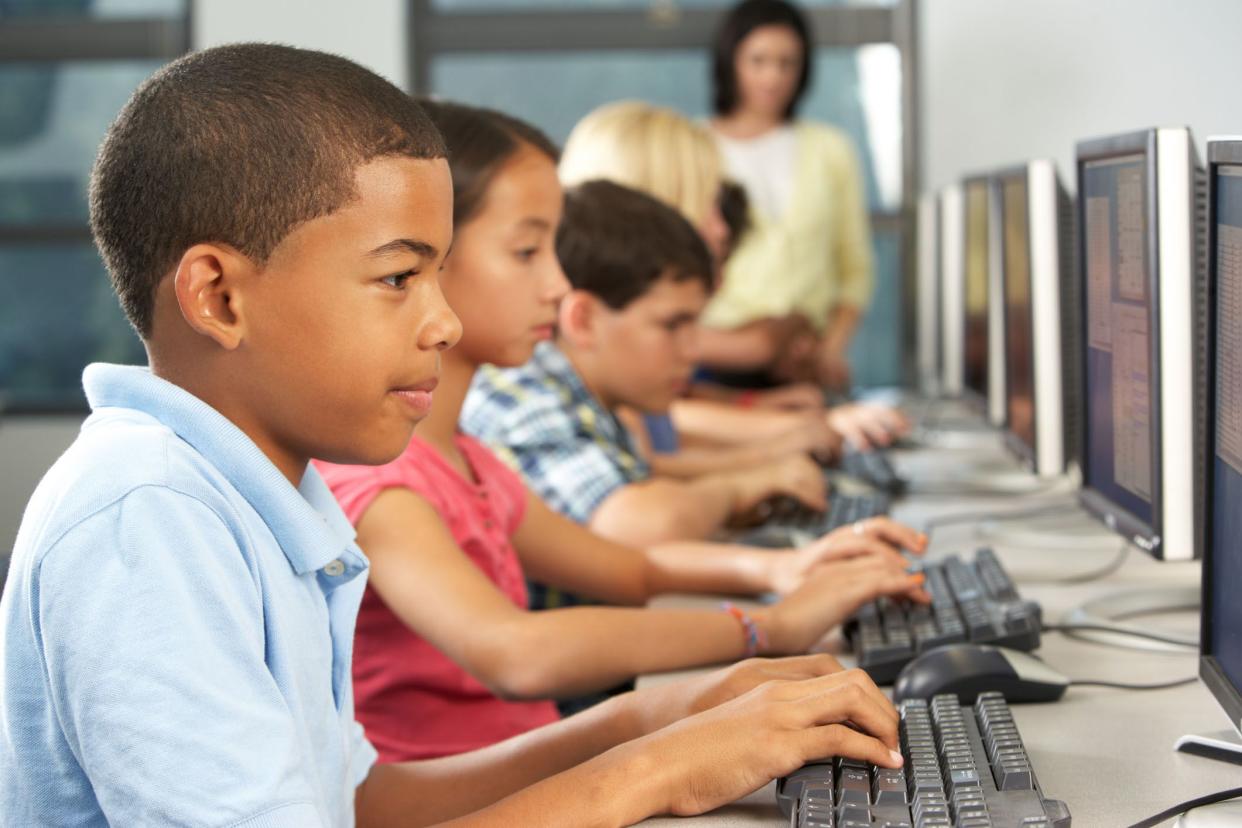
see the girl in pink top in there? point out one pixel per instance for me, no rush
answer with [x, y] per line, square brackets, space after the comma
[414, 701]
[446, 528]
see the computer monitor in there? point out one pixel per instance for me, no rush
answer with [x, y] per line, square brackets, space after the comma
[1142, 356]
[1039, 311]
[983, 370]
[951, 236]
[930, 378]
[1220, 639]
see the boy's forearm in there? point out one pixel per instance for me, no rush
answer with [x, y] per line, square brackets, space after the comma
[437, 790]
[620, 787]
[728, 423]
[659, 510]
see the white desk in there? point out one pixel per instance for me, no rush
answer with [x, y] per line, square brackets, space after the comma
[1107, 753]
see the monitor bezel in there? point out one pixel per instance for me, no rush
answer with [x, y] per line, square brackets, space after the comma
[1116, 517]
[1226, 152]
[1026, 454]
[978, 402]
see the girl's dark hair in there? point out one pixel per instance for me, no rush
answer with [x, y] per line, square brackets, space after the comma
[479, 142]
[743, 19]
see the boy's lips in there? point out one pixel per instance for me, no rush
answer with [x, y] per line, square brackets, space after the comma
[418, 396]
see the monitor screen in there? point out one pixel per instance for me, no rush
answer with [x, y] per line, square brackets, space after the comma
[975, 327]
[1019, 341]
[1120, 462]
[1225, 641]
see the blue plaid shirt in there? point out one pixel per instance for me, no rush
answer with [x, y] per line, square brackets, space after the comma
[542, 420]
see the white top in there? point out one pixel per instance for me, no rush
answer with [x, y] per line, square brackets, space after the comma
[764, 166]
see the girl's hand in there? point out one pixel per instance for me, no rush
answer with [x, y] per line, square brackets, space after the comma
[879, 536]
[832, 592]
[866, 425]
[663, 704]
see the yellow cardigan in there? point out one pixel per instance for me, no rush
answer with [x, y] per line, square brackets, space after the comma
[817, 256]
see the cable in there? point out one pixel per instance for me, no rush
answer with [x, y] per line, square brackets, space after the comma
[1073, 628]
[1188, 805]
[1123, 686]
[980, 517]
[1094, 574]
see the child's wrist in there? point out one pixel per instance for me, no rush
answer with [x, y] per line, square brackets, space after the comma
[754, 636]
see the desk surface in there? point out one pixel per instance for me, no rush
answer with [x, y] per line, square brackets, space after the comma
[1107, 753]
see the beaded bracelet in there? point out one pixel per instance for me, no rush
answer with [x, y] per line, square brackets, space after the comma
[756, 640]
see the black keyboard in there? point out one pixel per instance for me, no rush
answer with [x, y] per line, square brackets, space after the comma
[971, 601]
[965, 767]
[788, 522]
[873, 468]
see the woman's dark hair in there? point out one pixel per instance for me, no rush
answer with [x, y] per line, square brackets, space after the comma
[479, 142]
[743, 19]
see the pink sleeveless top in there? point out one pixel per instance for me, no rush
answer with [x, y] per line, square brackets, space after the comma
[414, 701]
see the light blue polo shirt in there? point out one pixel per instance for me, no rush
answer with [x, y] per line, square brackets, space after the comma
[177, 629]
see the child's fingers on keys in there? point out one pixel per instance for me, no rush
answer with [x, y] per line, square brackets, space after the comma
[841, 740]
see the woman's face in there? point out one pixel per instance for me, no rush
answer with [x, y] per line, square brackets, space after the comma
[503, 278]
[768, 64]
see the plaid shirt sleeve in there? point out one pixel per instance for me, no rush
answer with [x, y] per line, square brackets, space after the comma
[566, 455]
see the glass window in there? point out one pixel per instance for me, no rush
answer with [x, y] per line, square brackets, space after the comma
[52, 119]
[875, 352]
[57, 313]
[857, 89]
[110, 9]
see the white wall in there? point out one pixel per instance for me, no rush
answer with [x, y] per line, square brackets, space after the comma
[371, 32]
[1007, 80]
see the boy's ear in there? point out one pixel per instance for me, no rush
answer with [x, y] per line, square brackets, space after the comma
[577, 316]
[207, 284]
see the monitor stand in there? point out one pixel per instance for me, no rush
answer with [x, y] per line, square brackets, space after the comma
[1220, 815]
[1224, 746]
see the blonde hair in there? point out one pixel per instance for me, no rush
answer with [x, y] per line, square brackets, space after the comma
[649, 148]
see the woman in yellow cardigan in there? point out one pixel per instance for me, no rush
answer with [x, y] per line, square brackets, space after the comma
[808, 255]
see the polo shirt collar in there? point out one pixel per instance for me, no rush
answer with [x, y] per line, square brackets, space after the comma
[297, 517]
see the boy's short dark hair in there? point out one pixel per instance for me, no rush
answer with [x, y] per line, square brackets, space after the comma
[740, 21]
[479, 142]
[615, 242]
[238, 145]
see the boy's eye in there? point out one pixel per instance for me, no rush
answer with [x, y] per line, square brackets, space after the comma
[398, 280]
[526, 253]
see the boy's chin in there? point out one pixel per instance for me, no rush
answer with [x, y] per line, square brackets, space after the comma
[377, 452]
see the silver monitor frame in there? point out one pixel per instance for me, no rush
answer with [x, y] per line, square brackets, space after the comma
[1175, 276]
[1046, 200]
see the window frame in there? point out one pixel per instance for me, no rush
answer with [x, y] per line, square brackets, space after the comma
[55, 39]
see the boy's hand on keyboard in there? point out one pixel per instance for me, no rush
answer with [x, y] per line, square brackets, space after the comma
[733, 749]
[831, 593]
[878, 536]
[796, 475]
[812, 436]
[661, 705]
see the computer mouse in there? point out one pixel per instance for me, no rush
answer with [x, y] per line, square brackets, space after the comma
[971, 669]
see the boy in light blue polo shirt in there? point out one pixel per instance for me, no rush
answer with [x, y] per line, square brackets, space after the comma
[178, 617]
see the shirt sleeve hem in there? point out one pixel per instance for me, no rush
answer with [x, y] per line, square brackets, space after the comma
[300, 814]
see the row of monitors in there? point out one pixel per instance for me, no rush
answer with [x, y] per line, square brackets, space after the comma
[1106, 331]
